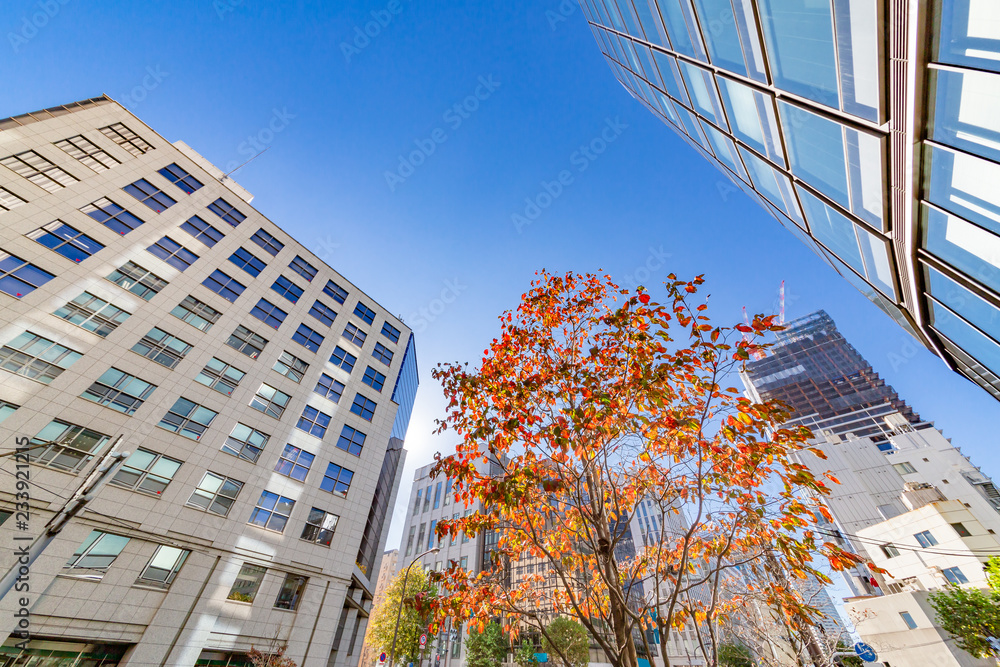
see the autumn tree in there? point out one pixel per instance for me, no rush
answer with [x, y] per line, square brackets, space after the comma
[274, 658]
[590, 401]
[413, 621]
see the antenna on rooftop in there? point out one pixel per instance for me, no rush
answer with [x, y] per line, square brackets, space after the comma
[225, 176]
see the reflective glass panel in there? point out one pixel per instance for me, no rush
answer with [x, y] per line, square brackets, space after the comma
[968, 248]
[965, 185]
[969, 306]
[967, 337]
[967, 111]
[752, 118]
[773, 184]
[969, 33]
[799, 37]
[704, 97]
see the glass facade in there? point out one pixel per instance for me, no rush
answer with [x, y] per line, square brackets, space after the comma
[795, 102]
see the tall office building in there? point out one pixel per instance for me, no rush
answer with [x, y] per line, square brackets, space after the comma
[867, 128]
[262, 396]
[827, 384]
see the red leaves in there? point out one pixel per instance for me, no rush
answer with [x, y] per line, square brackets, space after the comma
[644, 298]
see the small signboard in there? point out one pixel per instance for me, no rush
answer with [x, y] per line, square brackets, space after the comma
[382, 658]
[423, 641]
[865, 652]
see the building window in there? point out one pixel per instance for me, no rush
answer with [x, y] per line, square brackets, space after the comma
[291, 592]
[337, 480]
[247, 261]
[163, 348]
[245, 442]
[420, 535]
[335, 291]
[889, 551]
[270, 401]
[342, 358]
[216, 494]
[96, 554]
[313, 421]
[197, 313]
[910, 623]
[354, 334]
[146, 471]
[7, 409]
[202, 231]
[291, 367]
[955, 576]
[303, 268]
[365, 408]
[287, 289]
[416, 505]
[119, 391]
[9, 200]
[179, 177]
[65, 446]
[36, 358]
[268, 313]
[246, 342]
[382, 353]
[320, 527]
[294, 463]
[351, 440]
[925, 539]
[150, 195]
[374, 379]
[904, 468]
[163, 567]
[329, 388]
[272, 511]
[127, 139]
[307, 338]
[188, 419]
[139, 281]
[173, 253]
[437, 495]
[224, 285]
[427, 498]
[270, 244]
[39, 171]
[323, 313]
[93, 314]
[390, 332]
[84, 150]
[454, 538]
[961, 530]
[447, 492]
[247, 583]
[227, 212]
[364, 312]
[19, 277]
[409, 540]
[220, 376]
[112, 216]
[431, 536]
[69, 242]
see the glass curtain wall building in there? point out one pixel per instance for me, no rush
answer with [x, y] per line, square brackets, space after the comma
[869, 129]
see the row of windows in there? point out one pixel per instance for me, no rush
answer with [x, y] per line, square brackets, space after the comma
[99, 551]
[431, 537]
[419, 507]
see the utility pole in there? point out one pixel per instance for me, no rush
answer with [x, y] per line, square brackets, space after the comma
[98, 477]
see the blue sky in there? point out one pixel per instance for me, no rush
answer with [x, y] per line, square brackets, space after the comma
[435, 241]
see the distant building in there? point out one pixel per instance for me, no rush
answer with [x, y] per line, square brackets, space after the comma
[386, 573]
[866, 128]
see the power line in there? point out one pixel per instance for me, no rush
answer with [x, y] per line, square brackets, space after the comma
[904, 547]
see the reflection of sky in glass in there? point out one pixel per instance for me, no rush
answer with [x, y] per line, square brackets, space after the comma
[970, 33]
[965, 185]
[965, 246]
[967, 111]
[965, 303]
[799, 36]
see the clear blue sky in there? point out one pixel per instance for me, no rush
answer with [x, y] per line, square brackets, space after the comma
[215, 73]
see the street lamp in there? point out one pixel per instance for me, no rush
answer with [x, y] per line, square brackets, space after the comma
[399, 613]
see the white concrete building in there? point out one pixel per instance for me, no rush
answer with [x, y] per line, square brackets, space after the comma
[264, 399]
[937, 543]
